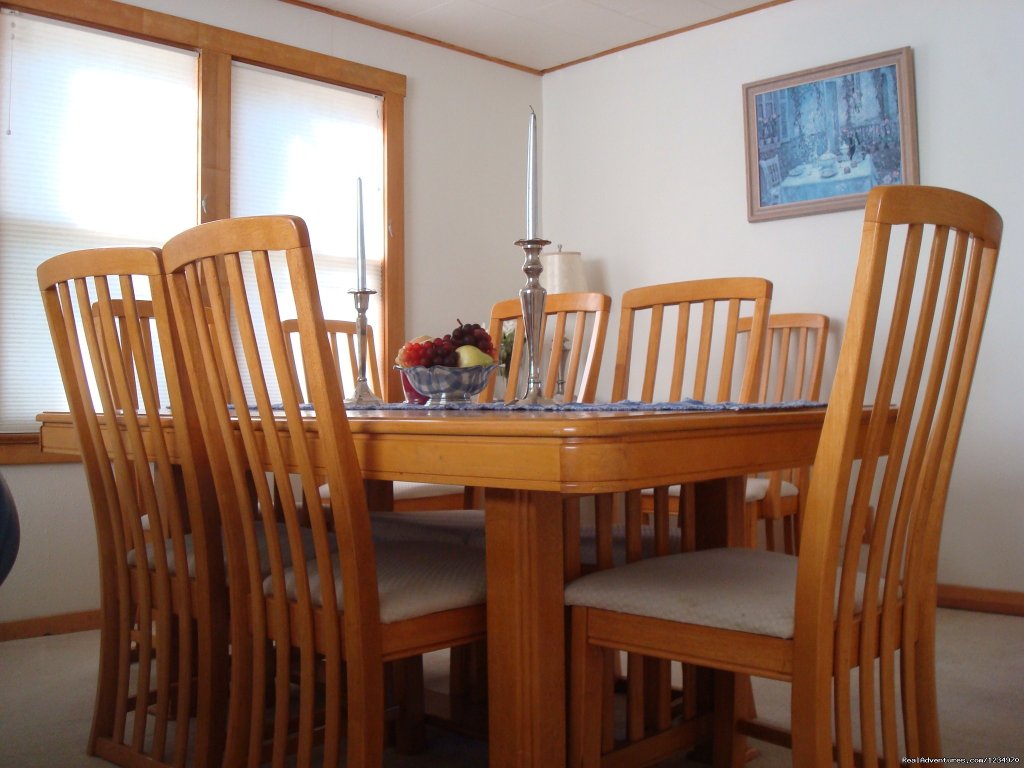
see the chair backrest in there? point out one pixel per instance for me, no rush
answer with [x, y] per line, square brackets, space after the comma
[794, 356]
[920, 297]
[577, 323]
[147, 352]
[239, 267]
[342, 337]
[151, 492]
[695, 347]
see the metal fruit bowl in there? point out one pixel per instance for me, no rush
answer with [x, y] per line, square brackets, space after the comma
[442, 384]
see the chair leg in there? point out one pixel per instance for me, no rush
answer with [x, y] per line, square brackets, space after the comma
[769, 534]
[114, 651]
[729, 745]
[411, 735]
[586, 684]
[365, 723]
[467, 685]
[930, 741]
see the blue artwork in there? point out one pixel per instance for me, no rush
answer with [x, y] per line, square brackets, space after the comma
[829, 138]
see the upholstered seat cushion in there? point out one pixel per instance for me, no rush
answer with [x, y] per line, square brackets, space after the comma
[414, 578]
[740, 589]
[407, 491]
[403, 490]
[756, 489]
[307, 548]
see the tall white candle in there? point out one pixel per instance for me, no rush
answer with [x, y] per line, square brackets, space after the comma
[532, 198]
[360, 243]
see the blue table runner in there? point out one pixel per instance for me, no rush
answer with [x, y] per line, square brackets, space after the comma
[687, 404]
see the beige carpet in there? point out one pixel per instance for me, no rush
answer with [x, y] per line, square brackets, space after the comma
[46, 691]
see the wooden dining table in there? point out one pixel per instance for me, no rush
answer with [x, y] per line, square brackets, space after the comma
[529, 461]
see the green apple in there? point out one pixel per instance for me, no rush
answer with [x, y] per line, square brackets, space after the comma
[470, 355]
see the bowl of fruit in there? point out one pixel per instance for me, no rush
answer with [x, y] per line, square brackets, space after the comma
[447, 369]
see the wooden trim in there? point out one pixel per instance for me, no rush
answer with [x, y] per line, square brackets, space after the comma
[411, 35]
[214, 136]
[23, 448]
[950, 596]
[393, 336]
[663, 35]
[173, 30]
[512, 65]
[981, 599]
[40, 626]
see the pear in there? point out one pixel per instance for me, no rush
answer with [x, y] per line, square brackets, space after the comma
[471, 355]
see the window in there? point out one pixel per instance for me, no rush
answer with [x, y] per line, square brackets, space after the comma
[75, 103]
[79, 178]
[298, 146]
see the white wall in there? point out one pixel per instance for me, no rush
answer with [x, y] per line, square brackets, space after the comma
[643, 171]
[465, 155]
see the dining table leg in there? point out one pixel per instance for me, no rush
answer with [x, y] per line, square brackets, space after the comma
[721, 511]
[525, 629]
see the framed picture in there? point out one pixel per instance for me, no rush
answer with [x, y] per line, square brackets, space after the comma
[818, 140]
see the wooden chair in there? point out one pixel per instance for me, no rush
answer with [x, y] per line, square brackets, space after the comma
[162, 686]
[341, 335]
[578, 323]
[794, 358]
[147, 351]
[840, 634]
[703, 360]
[298, 633]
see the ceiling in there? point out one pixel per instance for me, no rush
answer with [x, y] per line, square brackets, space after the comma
[536, 35]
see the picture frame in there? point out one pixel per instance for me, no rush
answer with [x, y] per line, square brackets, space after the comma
[818, 140]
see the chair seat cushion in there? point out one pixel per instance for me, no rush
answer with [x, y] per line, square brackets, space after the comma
[404, 490]
[757, 489]
[451, 526]
[739, 589]
[261, 543]
[414, 578]
[408, 491]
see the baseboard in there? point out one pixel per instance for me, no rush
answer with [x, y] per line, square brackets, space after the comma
[949, 596]
[49, 625]
[979, 599]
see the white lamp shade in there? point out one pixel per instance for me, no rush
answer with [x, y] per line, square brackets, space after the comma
[563, 272]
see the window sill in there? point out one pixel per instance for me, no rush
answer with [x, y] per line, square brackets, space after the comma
[23, 448]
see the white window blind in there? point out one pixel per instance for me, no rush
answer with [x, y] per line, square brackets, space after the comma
[98, 146]
[297, 147]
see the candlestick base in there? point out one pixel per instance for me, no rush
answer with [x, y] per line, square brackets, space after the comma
[363, 395]
[532, 296]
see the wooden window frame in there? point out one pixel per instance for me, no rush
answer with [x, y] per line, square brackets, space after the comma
[217, 48]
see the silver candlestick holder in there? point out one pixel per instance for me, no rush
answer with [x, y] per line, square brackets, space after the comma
[362, 395]
[532, 296]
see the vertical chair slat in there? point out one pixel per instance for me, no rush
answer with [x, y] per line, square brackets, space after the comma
[707, 327]
[653, 350]
[675, 390]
